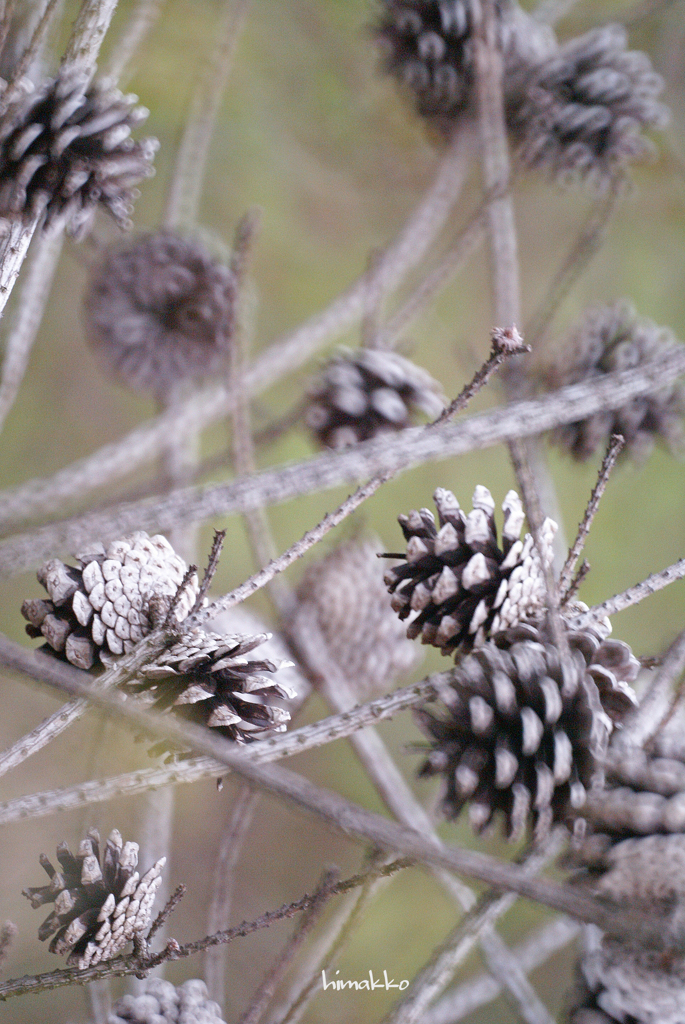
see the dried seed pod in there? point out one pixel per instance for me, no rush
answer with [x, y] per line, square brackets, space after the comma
[345, 593]
[107, 603]
[367, 392]
[462, 586]
[427, 45]
[613, 338]
[100, 903]
[164, 1003]
[517, 731]
[581, 112]
[205, 678]
[160, 310]
[65, 147]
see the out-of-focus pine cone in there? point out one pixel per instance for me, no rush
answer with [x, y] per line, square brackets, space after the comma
[580, 113]
[515, 735]
[427, 45]
[608, 339]
[99, 904]
[164, 1003]
[367, 392]
[160, 310]
[107, 603]
[206, 679]
[461, 584]
[345, 594]
[65, 147]
[619, 984]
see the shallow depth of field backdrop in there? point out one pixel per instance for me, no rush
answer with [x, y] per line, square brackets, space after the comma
[311, 133]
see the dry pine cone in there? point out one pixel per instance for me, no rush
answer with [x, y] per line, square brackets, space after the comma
[518, 736]
[463, 586]
[160, 310]
[163, 1003]
[99, 905]
[608, 339]
[361, 394]
[108, 603]
[66, 147]
[205, 678]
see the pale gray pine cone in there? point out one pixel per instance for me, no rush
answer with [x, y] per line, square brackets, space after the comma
[160, 310]
[164, 1003]
[65, 147]
[110, 601]
[365, 392]
[427, 45]
[619, 984]
[206, 679]
[347, 596]
[100, 905]
[460, 584]
[515, 735]
[608, 339]
[580, 113]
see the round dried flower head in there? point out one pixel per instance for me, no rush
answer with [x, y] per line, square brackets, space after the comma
[516, 731]
[110, 601]
[65, 147]
[366, 392]
[345, 598]
[427, 45]
[100, 904]
[164, 1003]
[609, 339]
[160, 310]
[581, 112]
[461, 585]
[206, 679]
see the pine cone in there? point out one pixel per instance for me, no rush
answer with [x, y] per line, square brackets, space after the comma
[163, 1003]
[347, 597]
[160, 310]
[626, 985]
[613, 338]
[108, 603]
[580, 112]
[99, 905]
[514, 735]
[367, 392]
[462, 585]
[428, 46]
[65, 147]
[205, 678]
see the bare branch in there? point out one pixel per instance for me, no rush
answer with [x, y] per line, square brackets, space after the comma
[387, 454]
[633, 595]
[43, 734]
[616, 445]
[166, 911]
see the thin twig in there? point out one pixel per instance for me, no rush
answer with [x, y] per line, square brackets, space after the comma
[141, 20]
[116, 460]
[34, 294]
[29, 55]
[166, 911]
[183, 586]
[633, 595]
[589, 241]
[433, 978]
[616, 446]
[644, 723]
[272, 748]
[264, 994]
[230, 849]
[505, 344]
[530, 953]
[399, 452]
[576, 583]
[210, 571]
[183, 199]
[51, 727]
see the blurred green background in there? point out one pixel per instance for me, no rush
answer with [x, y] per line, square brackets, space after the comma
[309, 132]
